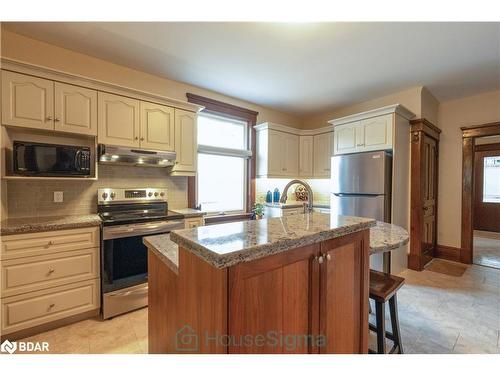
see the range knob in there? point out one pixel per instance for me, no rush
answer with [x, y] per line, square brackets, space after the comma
[162, 194]
[104, 195]
[156, 193]
[150, 194]
[112, 195]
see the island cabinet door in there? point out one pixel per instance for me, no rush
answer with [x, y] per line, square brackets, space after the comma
[270, 303]
[344, 283]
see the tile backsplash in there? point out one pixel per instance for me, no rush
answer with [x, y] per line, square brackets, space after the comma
[27, 198]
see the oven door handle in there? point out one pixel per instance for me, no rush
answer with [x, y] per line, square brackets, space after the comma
[140, 229]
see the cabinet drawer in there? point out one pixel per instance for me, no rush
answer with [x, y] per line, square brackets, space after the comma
[194, 222]
[32, 244]
[34, 273]
[291, 211]
[32, 309]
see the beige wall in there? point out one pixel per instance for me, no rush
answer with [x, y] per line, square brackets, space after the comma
[429, 107]
[19, 47]
[410, 98]
[474, 110]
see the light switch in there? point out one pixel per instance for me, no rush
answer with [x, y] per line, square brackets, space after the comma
[58, 197]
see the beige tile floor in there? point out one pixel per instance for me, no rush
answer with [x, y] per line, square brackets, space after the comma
[438, 314]
[487, 249]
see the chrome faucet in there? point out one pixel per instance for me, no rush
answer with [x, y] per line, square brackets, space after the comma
[309, 194]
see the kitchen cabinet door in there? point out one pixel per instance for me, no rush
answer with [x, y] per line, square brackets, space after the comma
[185, 143]
[306, 156]
[344, 281]
[345, 138]
[118, 120]
[291, 156]
[276, 151]
[75, 109]
[322, 154]
[377, 133]
[273, 295]
[157, 127]
[27, 101]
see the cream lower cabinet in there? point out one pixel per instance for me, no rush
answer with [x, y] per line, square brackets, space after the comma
[38, 103]
[185, 143]
[322, 154]
[48, 276]
[369, 134]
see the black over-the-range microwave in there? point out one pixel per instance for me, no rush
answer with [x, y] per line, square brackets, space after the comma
[42, 159]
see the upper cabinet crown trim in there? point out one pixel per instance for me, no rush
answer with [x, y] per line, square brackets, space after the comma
[288, 129]
[79, 80]
[395, 108]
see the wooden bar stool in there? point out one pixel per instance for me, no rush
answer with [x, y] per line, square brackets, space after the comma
[383, 288]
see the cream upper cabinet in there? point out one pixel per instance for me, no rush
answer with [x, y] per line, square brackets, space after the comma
[306, 155]
[75, 109]
[369, 134]
[185, 143]
[277, 154]
[118, 120]
[290, 156]
[322, 154]
[157, 127]
[27, 101]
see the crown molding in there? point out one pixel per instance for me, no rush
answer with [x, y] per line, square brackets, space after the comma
[18, 66]
[394, 108]
[295, 131]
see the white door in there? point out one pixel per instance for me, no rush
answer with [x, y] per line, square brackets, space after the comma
[27, 101]
[157, 127]
[306, 155]
[118, 120]
[377, 133]
[75, 109]
[322, 154]
[276, 149]
[291, 159]
[345, 138]
[185, 142]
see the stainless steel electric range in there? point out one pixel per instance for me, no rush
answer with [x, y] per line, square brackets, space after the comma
[127, 216]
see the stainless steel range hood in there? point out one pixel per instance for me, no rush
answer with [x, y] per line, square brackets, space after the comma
[119, 155]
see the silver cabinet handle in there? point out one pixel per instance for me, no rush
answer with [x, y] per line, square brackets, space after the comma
[49, 118]
[320, 259]
[328, 257]
[51, 271]
[56, 119]
[360, 144]
[142, 139]
[136, 138]
[51, 306]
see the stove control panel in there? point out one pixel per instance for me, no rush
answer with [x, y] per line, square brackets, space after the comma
[109, 195]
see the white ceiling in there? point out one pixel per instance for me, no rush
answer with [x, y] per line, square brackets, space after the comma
[300, 68]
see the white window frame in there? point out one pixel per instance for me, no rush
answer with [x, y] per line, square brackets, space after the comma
[245, 154]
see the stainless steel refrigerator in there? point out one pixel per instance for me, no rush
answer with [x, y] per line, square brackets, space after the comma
[361, 186]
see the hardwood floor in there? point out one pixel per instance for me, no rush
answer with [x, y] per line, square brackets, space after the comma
[439, 313]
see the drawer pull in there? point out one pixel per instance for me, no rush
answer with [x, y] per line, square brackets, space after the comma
[51, 271]
[51, 306]
[49, 244]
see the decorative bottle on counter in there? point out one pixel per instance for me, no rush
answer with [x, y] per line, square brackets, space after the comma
[269, 197]
[276, 196]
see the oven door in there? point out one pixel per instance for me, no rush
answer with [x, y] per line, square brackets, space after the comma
[125, 264]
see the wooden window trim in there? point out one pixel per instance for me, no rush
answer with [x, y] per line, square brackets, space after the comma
[216, 107]
[469, 135]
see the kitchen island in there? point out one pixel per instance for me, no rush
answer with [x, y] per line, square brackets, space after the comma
[295, 284]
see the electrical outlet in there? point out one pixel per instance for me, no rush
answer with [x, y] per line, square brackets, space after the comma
[58, 197]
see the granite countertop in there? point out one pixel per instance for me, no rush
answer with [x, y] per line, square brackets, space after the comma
[228, 244]
[383, 237]
[47, 223]
[189, 212]
[387, 237]
[166, 250]
[295, 204]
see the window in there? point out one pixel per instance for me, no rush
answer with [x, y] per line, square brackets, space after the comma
[222, 164]
[491, 179]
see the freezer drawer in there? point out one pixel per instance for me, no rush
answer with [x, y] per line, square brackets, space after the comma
[371, 206]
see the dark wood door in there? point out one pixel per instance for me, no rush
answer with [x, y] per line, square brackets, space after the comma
[344, 283]
[487, 188]
[429, 195]
[271, 303]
